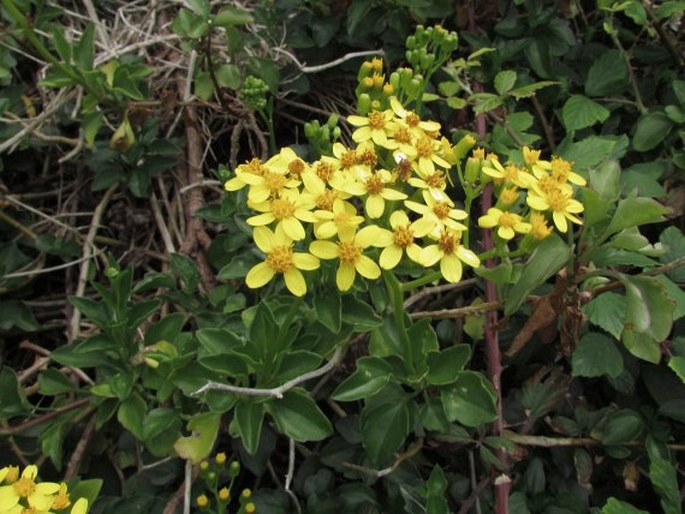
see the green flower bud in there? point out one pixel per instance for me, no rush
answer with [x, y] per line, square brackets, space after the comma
[234, 469]
[464, 146]
[363, 104]
[472, 171]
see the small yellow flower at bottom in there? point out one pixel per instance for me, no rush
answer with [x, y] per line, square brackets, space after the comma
[508, 223]
[202, 501]
[220, 458]
[224, 494]
[38, 495]
[451, 254]
[280, 258]
[250, 508]
[61, 499]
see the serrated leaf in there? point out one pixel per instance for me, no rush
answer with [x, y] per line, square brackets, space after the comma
[228, 75]
[504, 81]
[484, 102]
[649, 310]
[622, 426]
[608, 75]
[641, 345]
[596, 355]
[607, 311]
[580, 112]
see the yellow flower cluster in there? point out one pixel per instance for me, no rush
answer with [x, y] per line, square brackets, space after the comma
[22, 494]
[548, 188]
[387, 193]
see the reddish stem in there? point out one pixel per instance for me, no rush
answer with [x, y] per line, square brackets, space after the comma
[493, 356]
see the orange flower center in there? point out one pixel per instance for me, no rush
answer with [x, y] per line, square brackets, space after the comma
[507, 220]
[557, 200]
[274, 181]
[403, 136]
[403, 170]
[436, 181]
[282, 208]
[296, 167]
[442, 210]
[403, 236]
[424, 147]
[376, 120]
[375, 184]
[349, 251]
[324, 171]
[448, 242]
[325, 200]
[255, 166]
[412, 119]
[348, 159]
[368, 157]
[24, 487]
[280, 258]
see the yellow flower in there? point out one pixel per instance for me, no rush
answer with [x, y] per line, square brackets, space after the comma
[61, 499]
[38, 496]
[435, 183]
[508, 223]
[401, 240]
[439, 213]
[250, 508]
[373, 185]
[508, 195]
[427, 156]
[349, 250]
[450, 252]
[530, 157]
[343, 215]
[202, 501]
[289, 210]
[376, 127]
[347, 157]
[280, 258]
[80, 506]
[288, 161]
[268, 185]
[559, 201]
[220, 458]
[539, 227]
[562, 170]
[509, 174]
[412, 121]
[9, 474]
[253, 167]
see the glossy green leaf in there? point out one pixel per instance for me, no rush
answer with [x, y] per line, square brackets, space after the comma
[504, 81]
[228, 364]
[547, 259]
[651, 130]
[264, 332]
[664, 478]
[185, 268]
[53, 382]
[13, 400]
[580, 112]
[470, 400]
[131, 414]
[677, 364]
[296, 363]
[217, 340]
[249, 416]
[648, 309]
[641, 345]
[444, 366]
[593, 151]
[385, 424]
[371, 375]
[605, 180]
[620, 427]
[614, 506]
[359, 314]
[596, 355]
[634, 211]
[204, 429]
[297, 416]
[328, 308]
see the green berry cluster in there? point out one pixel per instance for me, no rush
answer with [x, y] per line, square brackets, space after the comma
[321, 137]
[253, 93]
[428, 48]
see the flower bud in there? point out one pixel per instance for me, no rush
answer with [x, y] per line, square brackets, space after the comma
[464, 146]
[472, 171]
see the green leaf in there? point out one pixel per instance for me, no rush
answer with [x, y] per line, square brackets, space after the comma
[591, 151]
[203, 85]
[548, 258]
[470, 400]
[580, 112]
[649, 309]
[62, 46]
[200, 7]
[388, 409]
[359, 314]
[298, 417]
[13, 400]
[620, 427]
[529, 89]
[217, 340]
[484, 102]
[665, 481]
[295, 363]
[608, 75]
[444, 366]
[232, 15]
[264, 332]
[676, 294]
[88, 489]
[606, 180]
[228, 75]
[651, 130]
[84, 51]
[328, 310]
[607, 311]
[131, 414]
[52, 382]
[228, 364]
[249, 416]
[641, 345]
[504, 81]
[614, 506]
[357, 14]
[16, 313]
[596, 355]
[679, 85]
[677, 364]
[634, 211]
[204, 429]
[674, 241]
[91, 126]
[371, 375]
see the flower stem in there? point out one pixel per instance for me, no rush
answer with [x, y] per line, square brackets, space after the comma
[396, 293]
[428, 278]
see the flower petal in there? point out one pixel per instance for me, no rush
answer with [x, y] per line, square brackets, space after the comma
[80, 507]
[344, 278]
[293, 228]
[367, 236]
[375, 205]
[451, 268]
[8, 497]
[324, 249]
[305, 261]
[431, 254]
[560, 221]
[294, 281]
[390, 257]
[259, 275]
[468, 256]
[367, 267]
[263, 238]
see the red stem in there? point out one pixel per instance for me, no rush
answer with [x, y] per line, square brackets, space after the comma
[493, 356]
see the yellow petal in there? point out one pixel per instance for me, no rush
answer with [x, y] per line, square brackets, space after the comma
[260, 219]
[487, 221]
[537, 202]
[80, 507]
[560, 221]
[324, 249]
[259, 275]
[414, 252]
[574, 206]
[367, 268]
[375, 205]
[8, 498]
[468, 256]
[451, 268]
[392, 194]
[325, 230]
[293, 228]
[294, 281]
[398, 218]
[344, 278]
[431, 254]
[357, 121]
[506, 233]
[362, 134]
[390, 257]
[305, 261]
[263, 238]
[367, 236]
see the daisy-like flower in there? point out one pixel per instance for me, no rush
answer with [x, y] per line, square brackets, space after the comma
[280, 259]
[530, 157]
[539, 227]
[559, 200]
[450, 252]
[321, 173]
[427, 156]
[508, 223]
[509, 174]
[376, 127]
[374, 186]
[412, 121]
[25, 492]
[438, 213]
[508, 195]
[562, 170]
[288, 161]
[289, 209]
[253, 167]
[435, 183]
[401, 240]
[342, 216]
[347, 157]
[270, 184]
[349, 250]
